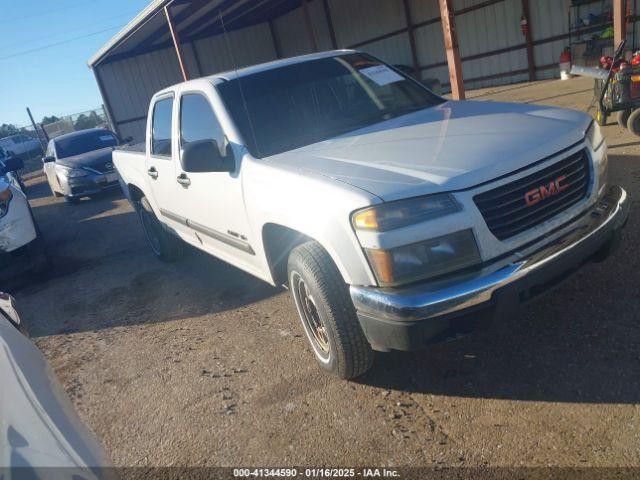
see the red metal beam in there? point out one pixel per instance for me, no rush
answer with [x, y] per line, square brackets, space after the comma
[177, 19]
[451, 47]
[528, 40]
[619, 24]
[176, 44]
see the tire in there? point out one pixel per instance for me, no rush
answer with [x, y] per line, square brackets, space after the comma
[166, 246]
[633, 123]
[623, 117]
[39, 249]
[327, 313]
[601, 117]
[71, 200]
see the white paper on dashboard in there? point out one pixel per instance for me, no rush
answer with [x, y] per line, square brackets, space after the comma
[381, 74]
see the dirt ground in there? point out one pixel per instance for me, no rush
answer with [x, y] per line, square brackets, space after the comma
[197, 363]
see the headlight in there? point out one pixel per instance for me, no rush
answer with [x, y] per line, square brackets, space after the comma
[405, 212]
[594, 136]
[5, 199]
[71, 172]
[425, 259]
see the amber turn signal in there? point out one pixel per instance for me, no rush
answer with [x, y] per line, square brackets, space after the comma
[366, 219]
[5, 195]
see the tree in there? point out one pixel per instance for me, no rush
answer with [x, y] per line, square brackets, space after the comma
[7, 129]
[50, 119]
[83, 122]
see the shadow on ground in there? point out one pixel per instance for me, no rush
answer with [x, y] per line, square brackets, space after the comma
[103, 275]
[580, 343]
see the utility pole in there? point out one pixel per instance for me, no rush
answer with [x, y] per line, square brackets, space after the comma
[43, 144]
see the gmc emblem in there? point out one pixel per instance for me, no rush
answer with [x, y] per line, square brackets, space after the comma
[545, 191]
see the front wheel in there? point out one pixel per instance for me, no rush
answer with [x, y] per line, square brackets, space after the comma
[327, 312]
[633, 123]
[165, 246]
[623, 117]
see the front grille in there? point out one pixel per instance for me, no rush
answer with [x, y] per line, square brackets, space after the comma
[505, 209]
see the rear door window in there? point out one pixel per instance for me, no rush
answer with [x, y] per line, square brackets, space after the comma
[161, 127]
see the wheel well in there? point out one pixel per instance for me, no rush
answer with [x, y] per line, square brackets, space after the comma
[135, 193]
[278, 242]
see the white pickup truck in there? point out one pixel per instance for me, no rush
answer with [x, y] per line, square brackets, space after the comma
[395, 217]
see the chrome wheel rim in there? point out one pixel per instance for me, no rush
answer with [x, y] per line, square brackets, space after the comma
[150, 229]
[311, 321]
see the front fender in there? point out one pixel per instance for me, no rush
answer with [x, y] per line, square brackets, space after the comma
[315, 206]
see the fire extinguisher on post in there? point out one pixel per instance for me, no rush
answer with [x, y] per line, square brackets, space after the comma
[565, 64]
[524, 26]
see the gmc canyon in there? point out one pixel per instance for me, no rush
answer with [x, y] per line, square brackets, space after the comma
[395, 217]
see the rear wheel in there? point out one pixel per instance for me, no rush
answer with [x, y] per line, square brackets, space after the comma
[165, 246]
[623, 117]
[633, 123]
[327, 312]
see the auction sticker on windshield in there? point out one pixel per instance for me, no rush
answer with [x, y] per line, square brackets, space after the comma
[381, 74]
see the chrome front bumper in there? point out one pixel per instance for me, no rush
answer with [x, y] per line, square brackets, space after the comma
[390, 317]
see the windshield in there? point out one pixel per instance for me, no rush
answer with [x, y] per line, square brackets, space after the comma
[308, 102]
[87, 142]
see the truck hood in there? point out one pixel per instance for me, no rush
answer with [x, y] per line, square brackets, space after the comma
[95, 158]
[452, 146]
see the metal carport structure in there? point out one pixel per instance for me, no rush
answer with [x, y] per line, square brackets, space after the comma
[173, 40]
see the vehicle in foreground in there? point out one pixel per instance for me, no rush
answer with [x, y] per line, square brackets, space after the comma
[22, 146]
[396, 218]
[79, 164]
[21, 245]
[41, 435]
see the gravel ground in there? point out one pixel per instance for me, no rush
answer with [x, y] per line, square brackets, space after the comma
[197, 363]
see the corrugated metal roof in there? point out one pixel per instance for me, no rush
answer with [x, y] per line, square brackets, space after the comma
[194, 20]
[138, 21]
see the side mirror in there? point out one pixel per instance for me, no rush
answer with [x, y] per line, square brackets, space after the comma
[13, 164]
[48, 159]
[204, 156]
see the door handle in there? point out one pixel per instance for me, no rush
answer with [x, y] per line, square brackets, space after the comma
[152, 172]
[184, 180]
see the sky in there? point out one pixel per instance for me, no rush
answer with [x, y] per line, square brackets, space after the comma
[44, 48]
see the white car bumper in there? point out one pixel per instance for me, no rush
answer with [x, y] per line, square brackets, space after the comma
[16, 227]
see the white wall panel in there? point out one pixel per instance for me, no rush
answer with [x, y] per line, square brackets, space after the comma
[135, 130]
[422, 10]
[129, 84]
[320, 26]
[249, 46]
[355, 21]
[549, 18]
[394, 50]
